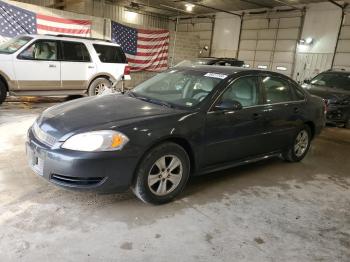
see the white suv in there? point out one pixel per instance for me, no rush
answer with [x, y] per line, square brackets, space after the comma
[60, 65]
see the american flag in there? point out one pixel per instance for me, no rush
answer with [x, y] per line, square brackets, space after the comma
[145, 49]
[16, 21]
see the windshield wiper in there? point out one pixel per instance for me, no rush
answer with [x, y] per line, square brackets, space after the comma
[153, 101]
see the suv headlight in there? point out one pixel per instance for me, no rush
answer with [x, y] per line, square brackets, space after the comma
[96, 141]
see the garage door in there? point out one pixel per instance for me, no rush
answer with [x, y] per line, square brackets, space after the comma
[342, 55]
[270, 43]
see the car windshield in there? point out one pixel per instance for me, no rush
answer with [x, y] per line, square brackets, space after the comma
[178, 88]
[340, 80]
[14, 44]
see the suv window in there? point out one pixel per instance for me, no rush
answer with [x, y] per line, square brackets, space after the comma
[244, 90]
[110, 54]
[12, 45]
[277, 90]
[40, 50]
[75, 52]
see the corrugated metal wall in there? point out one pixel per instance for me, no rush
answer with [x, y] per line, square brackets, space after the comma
[342, 55]
[270, 42]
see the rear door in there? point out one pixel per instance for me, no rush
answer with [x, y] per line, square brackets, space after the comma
[77, 67]
[38, 67]
[284, 111]
[235, 135]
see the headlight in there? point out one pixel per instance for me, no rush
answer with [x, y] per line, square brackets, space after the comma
[95, 141]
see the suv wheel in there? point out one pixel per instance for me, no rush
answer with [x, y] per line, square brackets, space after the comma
[162, 174]
[300, 145]
[3, 92]
[100, 86]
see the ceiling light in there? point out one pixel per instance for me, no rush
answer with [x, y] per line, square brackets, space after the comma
[189, 7]
[308, 40]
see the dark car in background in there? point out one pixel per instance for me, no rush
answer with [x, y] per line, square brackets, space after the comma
[186, 121]
[334, 87]
[212, 61]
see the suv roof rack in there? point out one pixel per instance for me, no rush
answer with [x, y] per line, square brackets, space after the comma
[81, 37]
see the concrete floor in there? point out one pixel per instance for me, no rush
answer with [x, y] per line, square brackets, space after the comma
[268, 211]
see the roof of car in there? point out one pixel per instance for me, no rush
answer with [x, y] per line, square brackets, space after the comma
[229, 70]
[74, 38]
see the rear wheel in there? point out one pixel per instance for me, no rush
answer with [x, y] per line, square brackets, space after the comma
[3, 92]
[347, 124]
[162, 174]
[100, 86]
[300, 145]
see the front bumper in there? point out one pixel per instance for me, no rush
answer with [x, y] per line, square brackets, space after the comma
[98, 171]
[338, 114]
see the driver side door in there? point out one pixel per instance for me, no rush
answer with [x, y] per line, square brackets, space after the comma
[233, 135]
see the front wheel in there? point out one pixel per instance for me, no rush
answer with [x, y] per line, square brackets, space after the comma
[100, 86]
[300, 145]
[162, 174]
[3, 92]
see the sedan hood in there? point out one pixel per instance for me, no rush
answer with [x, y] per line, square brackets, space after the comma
[328, 93]
[91, 112]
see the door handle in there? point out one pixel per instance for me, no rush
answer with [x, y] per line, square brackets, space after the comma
[256, 116]
[91, 67]
[52, 66]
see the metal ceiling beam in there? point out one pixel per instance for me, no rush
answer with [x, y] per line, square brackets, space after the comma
[257, 4]
[210, 7]
[337, 4]
[287, 4]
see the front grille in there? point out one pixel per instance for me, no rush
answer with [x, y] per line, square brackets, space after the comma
[76, 181]
[43, 136]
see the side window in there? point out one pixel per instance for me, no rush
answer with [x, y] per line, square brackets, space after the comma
[277, 90]
[110, 54]
[299, 94]
[75, 52]
[40, 50]
[244, 90]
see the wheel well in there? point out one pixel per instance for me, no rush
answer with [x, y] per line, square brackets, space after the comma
[2, 79]
[100, 76]
[181, 142]
[312, 128]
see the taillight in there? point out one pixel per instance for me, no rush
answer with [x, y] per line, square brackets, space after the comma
[126, 70]
[325, 106]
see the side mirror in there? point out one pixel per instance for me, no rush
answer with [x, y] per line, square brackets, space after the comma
[230, 105]
[307, 81]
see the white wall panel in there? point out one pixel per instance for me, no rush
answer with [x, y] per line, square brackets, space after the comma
[255, 24]
[249, 34]
[290, 22]
[267, 34]
[286, 45]
[248, 44]
[284, 57]
[246, 55]
[290, 33]
[263, 56]
[265, 45]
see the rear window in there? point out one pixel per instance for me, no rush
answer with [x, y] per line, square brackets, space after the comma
[75, 52]
[110, 54]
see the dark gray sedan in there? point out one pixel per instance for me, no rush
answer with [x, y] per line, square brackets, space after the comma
[186, 121]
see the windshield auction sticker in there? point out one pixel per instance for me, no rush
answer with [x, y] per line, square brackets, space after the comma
[221, 76]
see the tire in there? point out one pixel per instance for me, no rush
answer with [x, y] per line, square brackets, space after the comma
[3, 92]
[153, 186]
[97, 85]
[293, 154]
[347, 124]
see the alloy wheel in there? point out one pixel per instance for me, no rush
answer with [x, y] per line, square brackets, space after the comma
[101, 89]
[165, 175]
[301, 143]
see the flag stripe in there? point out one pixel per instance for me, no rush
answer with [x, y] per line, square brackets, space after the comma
[63, 30]
[148, 61]
[144, 46]
[154, 39]
[59, 25]
[63, 20]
